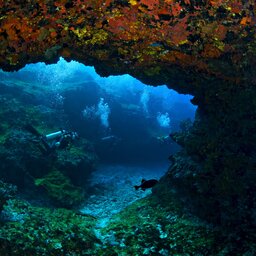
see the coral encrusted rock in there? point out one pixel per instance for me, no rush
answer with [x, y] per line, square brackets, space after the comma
[205, 48]
[156, 41]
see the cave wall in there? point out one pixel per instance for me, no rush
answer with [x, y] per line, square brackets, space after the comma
[203, 47]
[215, 171]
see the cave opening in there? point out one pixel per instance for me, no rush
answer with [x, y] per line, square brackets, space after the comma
[119, 114]
[79, 145]
[123, 128]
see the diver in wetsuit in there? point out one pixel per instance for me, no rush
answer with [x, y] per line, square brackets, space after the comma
[57, 140]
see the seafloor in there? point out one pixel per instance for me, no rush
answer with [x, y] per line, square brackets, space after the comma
[114, 220]
[49, 207]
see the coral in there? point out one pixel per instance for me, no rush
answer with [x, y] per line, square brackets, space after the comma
[148, 227]
[45, 31]
[44, 231]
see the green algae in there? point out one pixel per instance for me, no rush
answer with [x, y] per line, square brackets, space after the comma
[44, 231]
[149, 228]
[146, 227]
[60, 188]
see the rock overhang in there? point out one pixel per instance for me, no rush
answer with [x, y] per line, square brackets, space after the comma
[183, 44]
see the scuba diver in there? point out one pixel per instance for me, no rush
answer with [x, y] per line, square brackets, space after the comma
[61, 139]
[164, 139]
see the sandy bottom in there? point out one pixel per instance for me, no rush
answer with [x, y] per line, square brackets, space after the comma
[112, 189]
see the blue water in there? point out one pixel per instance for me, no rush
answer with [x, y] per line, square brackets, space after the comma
[124, 120]
[123, 117]
[123, 127]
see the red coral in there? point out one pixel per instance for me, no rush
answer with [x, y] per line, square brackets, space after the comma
[176, 9]
[151, 4]
[178, 33]
[236, 6]
[211, 52]
[216, 3]
[220, 32]
[245, 21]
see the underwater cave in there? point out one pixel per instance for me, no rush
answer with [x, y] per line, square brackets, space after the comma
[124, 128]
[203, 202]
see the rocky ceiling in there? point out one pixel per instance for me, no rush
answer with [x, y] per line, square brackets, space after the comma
[182, 43]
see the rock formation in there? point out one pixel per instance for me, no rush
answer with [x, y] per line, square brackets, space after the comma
[202, 47]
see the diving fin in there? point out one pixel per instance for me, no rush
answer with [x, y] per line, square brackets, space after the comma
[32, 130]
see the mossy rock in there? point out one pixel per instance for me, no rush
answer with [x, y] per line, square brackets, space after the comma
[78, 162]
[44, 231]
[7, 191]
[148, 228]
[60, 189]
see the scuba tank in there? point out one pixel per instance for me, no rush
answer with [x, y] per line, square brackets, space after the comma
[54, 135]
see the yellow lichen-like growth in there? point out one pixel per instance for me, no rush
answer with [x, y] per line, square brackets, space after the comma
[219, 44]
[13, 59]
[133, 2]
[99, 38]
[81, 33]
[183, 42]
